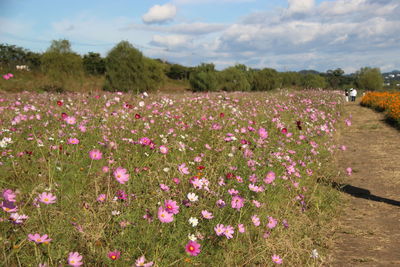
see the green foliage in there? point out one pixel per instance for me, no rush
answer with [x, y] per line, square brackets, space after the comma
[204, 78]
[178, 72]
[290, 79]
[11, 56]
[94, 64]
[335, 78]
[203, 81]
[310, 81]
[128, 70]
[61, 64]
[234, 79]
[266, 80]
[369, 79]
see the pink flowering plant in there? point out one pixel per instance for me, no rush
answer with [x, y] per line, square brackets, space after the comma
[213, 179]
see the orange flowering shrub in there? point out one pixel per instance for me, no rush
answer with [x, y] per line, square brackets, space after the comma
[384, 101]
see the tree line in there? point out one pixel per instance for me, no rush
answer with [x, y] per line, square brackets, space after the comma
[125, 69]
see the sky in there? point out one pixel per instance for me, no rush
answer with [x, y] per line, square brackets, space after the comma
[287, 35]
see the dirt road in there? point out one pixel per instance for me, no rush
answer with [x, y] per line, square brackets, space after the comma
[369, 232]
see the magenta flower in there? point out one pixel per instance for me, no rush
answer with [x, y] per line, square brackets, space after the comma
[229, 231]
[207, 215]
[219, 229]
[73, 141]
[171, 206]
[349, 171]
[47, 198]
[9, 195]
[75, 259]
[8, 206]
[269, 178]
[164, 216]
[237, 202]
[276, 259]
[272, 222]
[38, 239]
[95, 154]
[183, 169]
[114, 255]
[193, 248]
[164, 187]
[121, 175]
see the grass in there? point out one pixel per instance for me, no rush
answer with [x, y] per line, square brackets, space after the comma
[217, 136]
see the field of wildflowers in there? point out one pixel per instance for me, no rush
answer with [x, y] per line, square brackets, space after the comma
[167, 180]
[384, 101]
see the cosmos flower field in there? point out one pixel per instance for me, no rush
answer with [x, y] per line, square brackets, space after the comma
[113, 179]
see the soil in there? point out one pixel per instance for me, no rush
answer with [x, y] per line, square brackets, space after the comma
[369, 231]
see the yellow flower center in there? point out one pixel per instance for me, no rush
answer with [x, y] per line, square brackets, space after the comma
[191, 248]
[46, 199]
[113, 257]
[39, 240]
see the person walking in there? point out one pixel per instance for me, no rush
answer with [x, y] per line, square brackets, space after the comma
[346, 93]
[353, 94]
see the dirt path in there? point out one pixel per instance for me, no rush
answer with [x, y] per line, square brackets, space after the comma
[369, 234]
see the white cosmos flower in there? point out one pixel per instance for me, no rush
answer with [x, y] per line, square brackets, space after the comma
[193, 221]
[192, 197]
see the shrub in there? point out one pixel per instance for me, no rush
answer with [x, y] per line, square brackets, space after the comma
[203, 81]
[233, 79]
[265, 80]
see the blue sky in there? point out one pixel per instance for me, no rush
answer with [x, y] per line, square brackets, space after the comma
[280, 34]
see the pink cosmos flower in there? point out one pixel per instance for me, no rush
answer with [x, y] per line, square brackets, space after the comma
[349, 171]
[164, 216]
[18, 218]
[163, 149]
[114, 255]
[9, 195]
[207, 215]
[140, 262]
[272, 222]
[176, 180]
[101, 198]
[75, 259]
[95, 154]
[70, 120]
[237, 202]
[263, 133]
[255, 220]
[121, 175]
[193, 248]
[229, 231]
[183, 169]
[73, 141]
[164, 187]
[8, 206]
[348, 122]
[38, 239]
[47, 198]
[276, 259]
[105, 169]
[171, 206]
[269, 178]
[219, 229]
[241, 228]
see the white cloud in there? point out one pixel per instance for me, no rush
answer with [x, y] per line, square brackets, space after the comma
[171, 41]
[300, 6]
[160, 14]
[195, 28]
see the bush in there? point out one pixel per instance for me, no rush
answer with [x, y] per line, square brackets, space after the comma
[369, 79]
[203, 81]
[128, 70]
[265, 80]
[234, 79]
[313, 81]
[94, 64]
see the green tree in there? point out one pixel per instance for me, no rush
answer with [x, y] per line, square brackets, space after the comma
[178, 72]
[311, 80]
[265, 80]
[61, 64]
[335, 78]
[234, 79]
[369, 79]
[290, 79]
[128, 70]
[94, 64]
